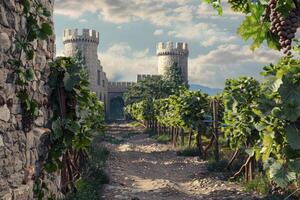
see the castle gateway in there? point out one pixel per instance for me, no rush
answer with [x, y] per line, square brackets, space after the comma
[111, 93]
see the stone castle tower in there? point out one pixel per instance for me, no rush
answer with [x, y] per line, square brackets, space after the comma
[168, 54]
[87, 43]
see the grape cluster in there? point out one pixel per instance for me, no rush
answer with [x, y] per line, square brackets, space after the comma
[284, 27]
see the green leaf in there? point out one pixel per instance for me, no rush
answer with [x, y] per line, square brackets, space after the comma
[26, 5]
[47, 29]
[267, 146]
[29, 54]
[70, 81]
[279, 175]
[46, 13]
[57, 130]
[253, 27]
[272, 41]
[50, 167]
[216, 4]
[29, 74]
[39, 9]
[15, 62]
[250, 152]
[293, 136]
[294, 165]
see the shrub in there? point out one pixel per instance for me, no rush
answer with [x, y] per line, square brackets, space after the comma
[163, 139]
[217, 166]
[260, 184]
[189, 152]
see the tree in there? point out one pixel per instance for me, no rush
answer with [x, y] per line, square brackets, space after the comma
[150, 88]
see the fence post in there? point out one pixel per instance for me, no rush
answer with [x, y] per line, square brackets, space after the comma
[215, 104]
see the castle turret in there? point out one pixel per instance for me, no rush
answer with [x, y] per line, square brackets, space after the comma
[168, 54]
[87, 43]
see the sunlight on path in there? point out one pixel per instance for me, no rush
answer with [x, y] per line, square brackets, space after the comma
[140, 168]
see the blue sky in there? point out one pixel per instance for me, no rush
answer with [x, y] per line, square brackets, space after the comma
[130, 29]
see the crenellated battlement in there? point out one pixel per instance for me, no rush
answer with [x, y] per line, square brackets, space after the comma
[168, 48]
[119, 87]
[120, 84]
[141, 77]
[86, 35]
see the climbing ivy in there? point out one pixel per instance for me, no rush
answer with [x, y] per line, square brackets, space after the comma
[33, 11]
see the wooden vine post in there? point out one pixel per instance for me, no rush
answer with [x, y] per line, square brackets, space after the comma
[190, 137]
[215, 105]
[182, 137]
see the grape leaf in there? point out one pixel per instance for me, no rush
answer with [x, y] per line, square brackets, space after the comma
[293, 137]
[252, 27]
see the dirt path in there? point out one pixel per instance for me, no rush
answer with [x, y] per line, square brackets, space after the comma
[140, 168]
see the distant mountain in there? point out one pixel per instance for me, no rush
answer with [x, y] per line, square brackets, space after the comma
[207, 90]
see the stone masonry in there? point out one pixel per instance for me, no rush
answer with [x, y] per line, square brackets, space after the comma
[87, 43]
[168, 54]
[20, 151]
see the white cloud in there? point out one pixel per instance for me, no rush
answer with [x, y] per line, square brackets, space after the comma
[181, 19]
[121, 62]
[158, 32]
[83, 20]
[229, 61]
[158, 12]
[206, 10]
[209, 34]
[215, 38]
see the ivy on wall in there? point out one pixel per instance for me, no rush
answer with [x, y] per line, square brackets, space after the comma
[33, 11]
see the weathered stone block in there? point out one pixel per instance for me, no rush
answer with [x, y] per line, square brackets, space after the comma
[22, 193]
[1, 141]
[4, 41]
[15, 180]
[16, 109]
[3, 19]
[7, 196]
[4, 113]
[40, 62]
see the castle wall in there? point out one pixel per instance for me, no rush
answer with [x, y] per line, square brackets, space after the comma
[21, 152]
[116, 89]
[168, 54]
[141, 77]
[87, 44]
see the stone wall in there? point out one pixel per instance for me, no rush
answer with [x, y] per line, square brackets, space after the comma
[20, 152]
[168, 54]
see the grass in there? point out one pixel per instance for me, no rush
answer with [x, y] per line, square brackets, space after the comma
[217, 166]
[130, 134]
[88, 187]
[135, 124]
[163, 139]
[188, 152]
[260, 184]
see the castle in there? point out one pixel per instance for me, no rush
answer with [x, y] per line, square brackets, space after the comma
[111, 93]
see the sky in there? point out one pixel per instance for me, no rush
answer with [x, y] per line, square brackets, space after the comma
[130, 29]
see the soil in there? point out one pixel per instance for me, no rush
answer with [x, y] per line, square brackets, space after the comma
[140, 168]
